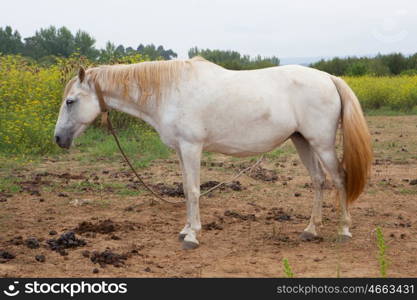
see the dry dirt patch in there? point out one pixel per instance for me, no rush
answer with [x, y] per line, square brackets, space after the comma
[248, 227]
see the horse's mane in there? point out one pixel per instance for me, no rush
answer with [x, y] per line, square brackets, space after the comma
[152, 78]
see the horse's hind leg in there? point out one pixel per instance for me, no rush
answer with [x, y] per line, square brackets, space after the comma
[311, 162]
[328, 158]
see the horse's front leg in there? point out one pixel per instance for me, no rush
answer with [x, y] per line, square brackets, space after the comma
[190, 157]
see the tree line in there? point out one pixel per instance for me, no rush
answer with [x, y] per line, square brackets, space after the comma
[380, 65]
[233, 60]
[51, 42]
[48, 43]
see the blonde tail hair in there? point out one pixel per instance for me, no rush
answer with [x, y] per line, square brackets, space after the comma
[357, 148]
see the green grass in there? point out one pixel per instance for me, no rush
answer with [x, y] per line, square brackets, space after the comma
[283, 151]
[386, 111]
[9, 185]
[208, 156]
[408, 192]
[382, 247]
[103, 203]
[129, 192]
[141, 147]
[81, 186]
[287, 269]
[116, 187]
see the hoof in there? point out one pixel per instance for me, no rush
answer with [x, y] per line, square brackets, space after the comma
[186, 245]
[181, 236]
[307, 236]
[342, 238]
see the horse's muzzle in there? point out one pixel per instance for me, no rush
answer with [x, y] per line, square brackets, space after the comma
[63, 142]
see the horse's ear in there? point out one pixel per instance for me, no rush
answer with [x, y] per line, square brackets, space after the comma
[81, 74]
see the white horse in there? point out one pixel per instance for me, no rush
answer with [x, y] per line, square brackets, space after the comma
[196, 105]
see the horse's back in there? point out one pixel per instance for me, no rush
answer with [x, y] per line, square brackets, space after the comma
[249, 112]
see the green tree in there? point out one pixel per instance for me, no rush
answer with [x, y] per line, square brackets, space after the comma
[50, 41]
[110, 53]
[380, 65]
[412, 62]
[10, 41]
[376, 67]
[155, 53]
[357, 68]
[396, 62]
[233, 60]
[84, 44]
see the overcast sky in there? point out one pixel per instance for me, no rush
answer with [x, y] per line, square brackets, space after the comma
[295, 28]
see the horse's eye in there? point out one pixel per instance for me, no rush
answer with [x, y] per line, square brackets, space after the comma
[69, 101]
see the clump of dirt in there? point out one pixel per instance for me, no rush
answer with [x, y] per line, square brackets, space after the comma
[5, 256]
[234, 185]
[65, 241]
[32, 186]
[172, 191]
[382, 162]
[40, 258]
[106, 226]
[176, 190]
[63, 175]
[32, 243]
[263, 174]
[4, 196]
[278, 214]
[314, 239]
[212, 226]
[278, 239]
[17, 240]
[237, 215]
[107, 257]
[328, 185]
[69, 176]
[212, 164]
[209, 184]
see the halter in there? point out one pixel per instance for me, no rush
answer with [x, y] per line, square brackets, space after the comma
[103, 107]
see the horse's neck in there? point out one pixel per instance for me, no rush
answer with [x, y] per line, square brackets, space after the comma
[132, 109]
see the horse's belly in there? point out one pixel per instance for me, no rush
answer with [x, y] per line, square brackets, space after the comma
[249, 142]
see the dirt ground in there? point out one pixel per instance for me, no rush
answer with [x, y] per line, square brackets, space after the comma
[84, 219]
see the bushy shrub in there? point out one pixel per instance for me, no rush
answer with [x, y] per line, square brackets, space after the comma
[398, 93]
[29, 103]
[30, 97]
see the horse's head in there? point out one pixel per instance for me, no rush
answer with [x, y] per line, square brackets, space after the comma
[78, 109]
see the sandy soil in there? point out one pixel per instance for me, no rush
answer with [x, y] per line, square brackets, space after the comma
[247, 229]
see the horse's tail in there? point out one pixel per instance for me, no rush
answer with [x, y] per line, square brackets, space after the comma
[357, 149]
